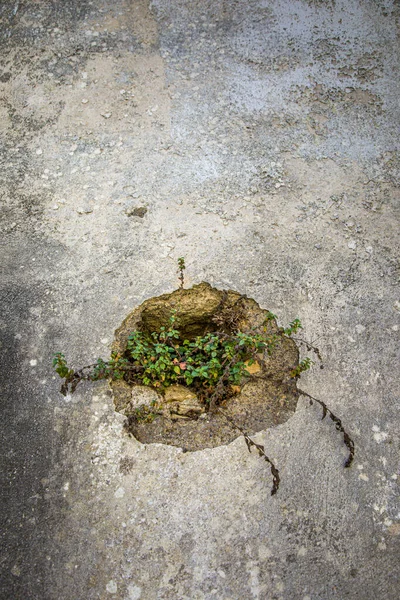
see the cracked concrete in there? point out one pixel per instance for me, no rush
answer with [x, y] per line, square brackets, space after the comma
[260, 141]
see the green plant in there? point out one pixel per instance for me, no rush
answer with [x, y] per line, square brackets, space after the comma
[147, 414]
[198, 363]
[303, 365]
[162, 358]
[60, 366]
[181, 268]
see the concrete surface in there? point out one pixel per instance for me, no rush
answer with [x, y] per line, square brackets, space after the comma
[261, 137]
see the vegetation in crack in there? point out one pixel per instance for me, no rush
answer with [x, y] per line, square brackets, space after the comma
[213, 366]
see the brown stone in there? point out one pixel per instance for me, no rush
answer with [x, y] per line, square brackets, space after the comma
[178, 393]
[183, 401]
[253, 368]
[195, 308]
[189, 408]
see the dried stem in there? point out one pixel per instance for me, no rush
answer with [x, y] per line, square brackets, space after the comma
[310, 347]
[181, 268]
[260, 449]
[338, 424]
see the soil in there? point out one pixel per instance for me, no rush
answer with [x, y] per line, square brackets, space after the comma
[267, 398]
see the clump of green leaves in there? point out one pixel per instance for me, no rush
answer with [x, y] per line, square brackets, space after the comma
[163, 358]
[60, 365]
[114, 368]
[303, 365]
[200, 363]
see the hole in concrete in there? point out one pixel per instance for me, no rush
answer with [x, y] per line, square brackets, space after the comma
[266, 398]
[137, 211]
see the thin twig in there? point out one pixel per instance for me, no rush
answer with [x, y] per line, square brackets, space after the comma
[338, 423]
[309, 345]
[260, 449]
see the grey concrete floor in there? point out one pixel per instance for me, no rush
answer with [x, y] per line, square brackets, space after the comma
[261, 137]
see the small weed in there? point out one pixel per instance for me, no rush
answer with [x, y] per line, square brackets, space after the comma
[181, 268]
[147, 414]
[161, 359]
[303, 365]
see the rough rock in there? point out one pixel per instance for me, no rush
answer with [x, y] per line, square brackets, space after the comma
[142, 395]
[204, 308]
[178, 393]
[195, 308]
[183, 401]
[122, 393]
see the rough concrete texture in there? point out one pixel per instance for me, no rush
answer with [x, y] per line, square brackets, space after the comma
[261, 137]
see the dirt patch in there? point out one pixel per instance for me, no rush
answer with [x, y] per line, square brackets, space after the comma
[267, 397]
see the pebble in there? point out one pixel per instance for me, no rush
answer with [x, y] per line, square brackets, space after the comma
[85, 101]
[134, 592]
[106, 115]
[111, 587]
[138, 211]
[352, 245]
[222, 574]
[39, 151]
[380, 436]
[120, 493]
[84, 210]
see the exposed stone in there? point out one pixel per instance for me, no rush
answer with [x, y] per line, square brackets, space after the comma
[178, 393]
[189, 407]
[137, 211]
[253, 368]
[122, 394]
[143, 395]
[127, 398]
[183, 401]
